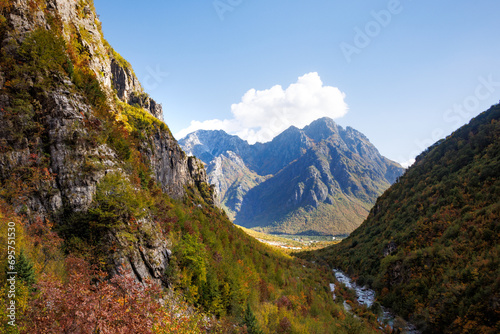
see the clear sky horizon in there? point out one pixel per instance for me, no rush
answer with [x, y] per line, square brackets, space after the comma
[404, 73]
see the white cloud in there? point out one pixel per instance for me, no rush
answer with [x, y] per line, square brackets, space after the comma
[407, 164]
[263, 114]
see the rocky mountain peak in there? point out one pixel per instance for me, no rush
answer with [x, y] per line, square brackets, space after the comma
[300, 175]
[209, 144]
[292, 135]
[322, 128]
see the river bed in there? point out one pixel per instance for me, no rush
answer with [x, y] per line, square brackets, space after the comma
[366, 297]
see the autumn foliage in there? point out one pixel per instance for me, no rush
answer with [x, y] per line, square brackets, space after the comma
[430, 246]
[86, 301]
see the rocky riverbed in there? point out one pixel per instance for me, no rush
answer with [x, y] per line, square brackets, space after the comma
[366, 297]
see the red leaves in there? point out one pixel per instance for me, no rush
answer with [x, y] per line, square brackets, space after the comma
[284, 302]
[46, 241]
[87, 303]
[285, 326]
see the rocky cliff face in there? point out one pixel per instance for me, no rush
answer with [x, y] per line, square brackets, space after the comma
[321, 179]
[232, 180]
[54, 143]
[80, 23]
[129, 89]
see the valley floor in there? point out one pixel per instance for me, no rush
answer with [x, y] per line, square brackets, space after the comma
[290, 243]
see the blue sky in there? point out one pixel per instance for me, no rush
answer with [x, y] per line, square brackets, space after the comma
[405, 73]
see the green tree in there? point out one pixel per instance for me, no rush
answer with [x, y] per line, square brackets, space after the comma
[251, 322]
[24, 269]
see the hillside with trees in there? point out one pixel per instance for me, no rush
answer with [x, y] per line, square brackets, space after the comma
[113, 226]
[430, 246]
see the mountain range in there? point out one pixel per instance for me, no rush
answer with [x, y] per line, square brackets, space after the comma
[322, 179]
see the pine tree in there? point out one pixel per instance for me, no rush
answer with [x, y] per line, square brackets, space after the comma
[25, 270]
[251, 322]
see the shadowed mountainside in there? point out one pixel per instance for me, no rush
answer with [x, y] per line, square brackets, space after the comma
[321, 179]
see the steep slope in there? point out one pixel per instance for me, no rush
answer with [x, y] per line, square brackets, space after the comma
[322, 179]
[230, 176]
[114, 225]
[307, 197]
[63, 130]
[433, 237]
[285, 148]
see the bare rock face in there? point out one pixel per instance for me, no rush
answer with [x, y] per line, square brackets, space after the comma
[124, 81]
[129, 89]
[81, 23]
[173, 169]
[390, 248]
[144, 101]
[22, 19]
[77, 163]
[147, 258]
[74, 163]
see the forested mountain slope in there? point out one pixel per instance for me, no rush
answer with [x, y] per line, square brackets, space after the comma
[113, 225]
[430, 245]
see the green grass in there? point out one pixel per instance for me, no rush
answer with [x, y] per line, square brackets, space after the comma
[284, 242]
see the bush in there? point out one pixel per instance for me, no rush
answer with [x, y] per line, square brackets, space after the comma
[44, 51]
[117, 202]
[86, 81]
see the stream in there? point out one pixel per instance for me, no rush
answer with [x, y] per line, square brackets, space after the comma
[366, 297]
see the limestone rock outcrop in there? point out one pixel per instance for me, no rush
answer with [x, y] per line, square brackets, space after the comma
[53, 154]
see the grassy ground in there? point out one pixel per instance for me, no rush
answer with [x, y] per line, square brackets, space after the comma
[291, 243]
